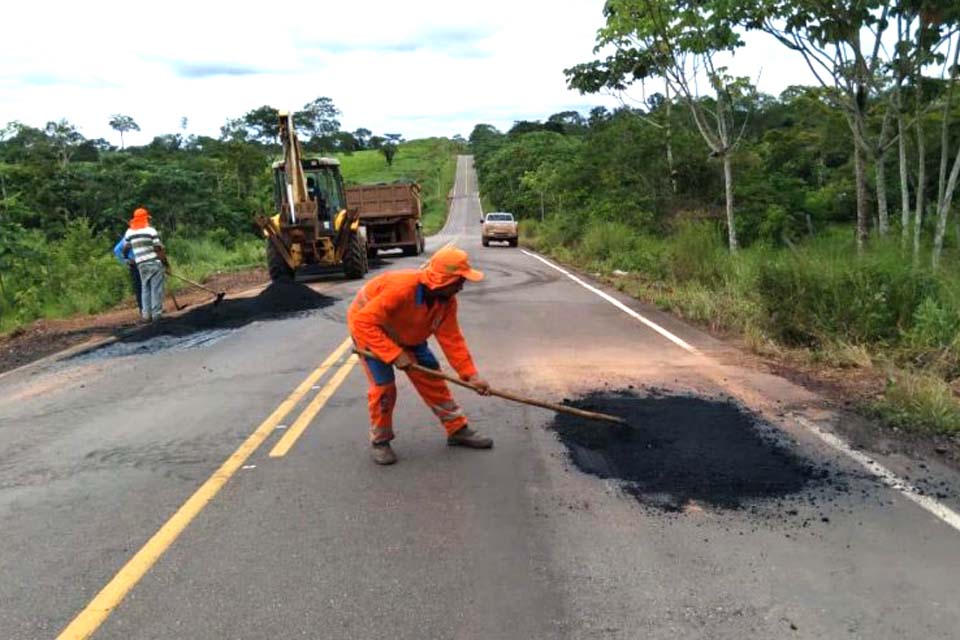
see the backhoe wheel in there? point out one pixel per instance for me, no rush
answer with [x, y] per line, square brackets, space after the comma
[355, 258]
[279, 270]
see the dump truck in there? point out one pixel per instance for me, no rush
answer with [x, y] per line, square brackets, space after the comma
[390, 213]
[312, 224]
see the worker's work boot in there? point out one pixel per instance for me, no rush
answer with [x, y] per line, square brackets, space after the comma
[382, 453]
[467, 437]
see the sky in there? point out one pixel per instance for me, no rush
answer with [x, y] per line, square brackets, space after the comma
[419, 68]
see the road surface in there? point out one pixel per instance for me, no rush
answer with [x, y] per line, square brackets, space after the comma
[139, 497]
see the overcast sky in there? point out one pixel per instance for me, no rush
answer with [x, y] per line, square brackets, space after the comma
[418, 68]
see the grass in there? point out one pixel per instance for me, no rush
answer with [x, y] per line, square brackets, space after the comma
[432, 162]
[200, 258]
[80, 276]
[818, 298]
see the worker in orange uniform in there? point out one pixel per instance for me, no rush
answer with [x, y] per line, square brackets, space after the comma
[392, 317]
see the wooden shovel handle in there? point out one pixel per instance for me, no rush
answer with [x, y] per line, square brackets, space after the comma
[561, 408]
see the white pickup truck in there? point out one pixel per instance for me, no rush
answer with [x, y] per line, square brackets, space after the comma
[499, 226]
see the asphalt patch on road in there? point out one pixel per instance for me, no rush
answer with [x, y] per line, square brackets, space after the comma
[680, 451]
[206, 324]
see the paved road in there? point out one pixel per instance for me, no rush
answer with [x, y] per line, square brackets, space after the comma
[164, 454]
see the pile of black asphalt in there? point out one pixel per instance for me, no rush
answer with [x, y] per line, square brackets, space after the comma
[679, 450]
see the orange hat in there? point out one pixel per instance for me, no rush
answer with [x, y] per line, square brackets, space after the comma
[141, 218]
[446, 265]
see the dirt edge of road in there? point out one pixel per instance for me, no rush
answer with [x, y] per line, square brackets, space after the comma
[49, 337]
[843, 389]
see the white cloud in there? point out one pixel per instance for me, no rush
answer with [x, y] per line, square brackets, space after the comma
[420, 68]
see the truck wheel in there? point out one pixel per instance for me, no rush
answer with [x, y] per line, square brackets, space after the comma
[514, 242]
[485, 241]
[355, 258]
[279, 270]
[421, 242]
[371, 254]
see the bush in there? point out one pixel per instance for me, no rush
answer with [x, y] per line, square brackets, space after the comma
[613, 240]
[919, 401]
[816, 294]
[697, 253]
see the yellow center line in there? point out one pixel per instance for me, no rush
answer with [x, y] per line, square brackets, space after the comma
[89, 620]
[298, 427]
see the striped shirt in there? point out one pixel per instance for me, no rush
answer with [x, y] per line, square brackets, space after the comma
[143, 242]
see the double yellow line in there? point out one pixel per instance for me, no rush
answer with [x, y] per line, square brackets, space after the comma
[93, 615]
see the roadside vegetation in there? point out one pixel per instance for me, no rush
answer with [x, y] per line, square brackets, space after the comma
[65, 200]
[816, 231]
[432, 162]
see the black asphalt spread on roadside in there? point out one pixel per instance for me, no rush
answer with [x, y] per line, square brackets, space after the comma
[205, 324]
[679, 450]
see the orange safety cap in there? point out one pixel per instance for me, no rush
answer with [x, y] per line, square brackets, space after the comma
[446, 265]
[141, 218]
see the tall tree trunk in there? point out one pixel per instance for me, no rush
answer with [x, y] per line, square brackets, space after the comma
[669, 135]
[945, 190]
[862, 203]
[921, 187]
[943, 210]
[904, 183]
[728, 186]
[882, 212]
[880, 156]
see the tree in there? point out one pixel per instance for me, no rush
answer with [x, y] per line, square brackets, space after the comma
[123, 124]
[567, 122]
[65, 139]
[346, 142]
[317, 122]
[390, 145]
[263, 124]
[843, 45]
[946, 185]
[362, 136]
[677, 41]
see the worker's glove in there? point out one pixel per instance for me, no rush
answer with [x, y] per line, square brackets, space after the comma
[481, 385]
[403, 361]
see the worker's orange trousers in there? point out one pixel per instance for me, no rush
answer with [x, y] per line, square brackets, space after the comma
[382, 394]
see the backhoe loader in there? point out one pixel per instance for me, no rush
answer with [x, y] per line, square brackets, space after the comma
[312, 225]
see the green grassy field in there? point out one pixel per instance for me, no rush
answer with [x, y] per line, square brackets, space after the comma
[432, 162]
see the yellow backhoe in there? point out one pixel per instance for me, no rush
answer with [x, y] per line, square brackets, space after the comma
[312, 225]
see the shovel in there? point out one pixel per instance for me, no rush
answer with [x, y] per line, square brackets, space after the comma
[219, 294]
[179, 307]
[561, 408]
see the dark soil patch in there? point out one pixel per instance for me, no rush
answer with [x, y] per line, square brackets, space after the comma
[678, 450]
[45, 337]
[276, 301]
[204, 324]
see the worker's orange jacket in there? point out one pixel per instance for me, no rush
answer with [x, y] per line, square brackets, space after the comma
[390, 313]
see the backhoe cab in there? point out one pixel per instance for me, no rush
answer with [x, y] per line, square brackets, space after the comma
[312, 225]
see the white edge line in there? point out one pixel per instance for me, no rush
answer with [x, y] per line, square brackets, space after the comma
[619, 305]
[885, 476]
